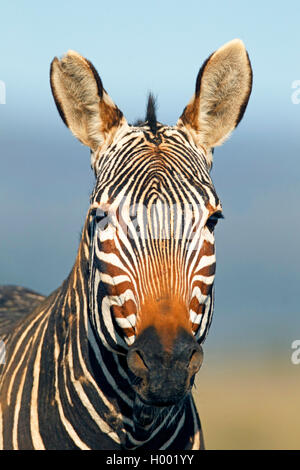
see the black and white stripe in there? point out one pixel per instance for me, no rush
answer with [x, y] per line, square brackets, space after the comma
[75, 375]
[66, 380]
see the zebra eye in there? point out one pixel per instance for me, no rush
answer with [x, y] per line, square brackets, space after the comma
[213, 220]
[100, 215]
[102, 219]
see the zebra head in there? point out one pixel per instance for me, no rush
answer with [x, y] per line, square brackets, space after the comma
[150, 244]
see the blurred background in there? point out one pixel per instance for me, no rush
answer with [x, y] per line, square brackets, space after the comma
[248, 389]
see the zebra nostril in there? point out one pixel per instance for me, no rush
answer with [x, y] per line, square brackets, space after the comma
[196, 360]
[136, 363]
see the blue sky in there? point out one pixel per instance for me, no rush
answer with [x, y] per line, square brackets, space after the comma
[45, 178]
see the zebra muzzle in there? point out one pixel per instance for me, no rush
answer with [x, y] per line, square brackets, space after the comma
[160, 376]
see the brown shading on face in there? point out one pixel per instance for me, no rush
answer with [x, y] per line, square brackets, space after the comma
[166, 315]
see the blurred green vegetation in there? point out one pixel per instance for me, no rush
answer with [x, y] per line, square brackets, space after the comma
[249, 403]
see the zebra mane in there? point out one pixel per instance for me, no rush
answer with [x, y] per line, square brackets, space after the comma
[151, 113]
[150, 117]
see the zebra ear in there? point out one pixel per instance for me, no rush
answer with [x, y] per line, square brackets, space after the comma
[82, 102]
[222, 92]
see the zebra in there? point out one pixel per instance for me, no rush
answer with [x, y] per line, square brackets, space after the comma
[108, 360]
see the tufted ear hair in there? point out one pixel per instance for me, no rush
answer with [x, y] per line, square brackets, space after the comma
[222, 92]
[82, 102]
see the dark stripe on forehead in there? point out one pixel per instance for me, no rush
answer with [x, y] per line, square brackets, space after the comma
[159, 178]
[172, 167]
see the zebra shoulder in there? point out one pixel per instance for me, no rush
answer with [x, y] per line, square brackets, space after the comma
[16, 302]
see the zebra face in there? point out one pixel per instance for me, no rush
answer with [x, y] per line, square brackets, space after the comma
[153, 240]
[151, 222]
[153, 211]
